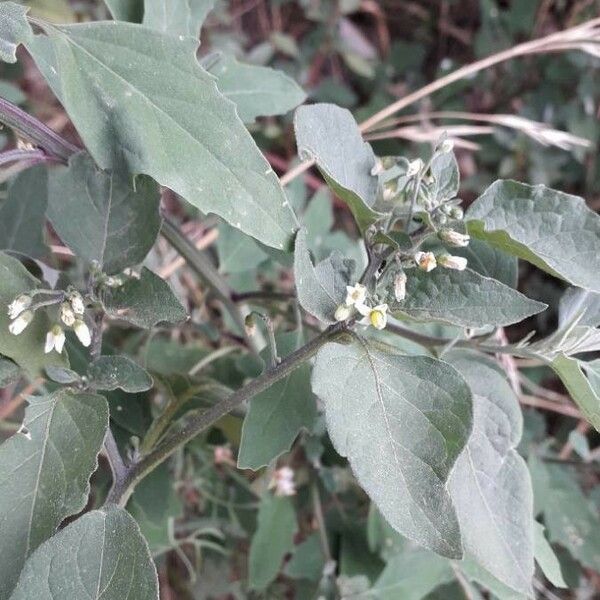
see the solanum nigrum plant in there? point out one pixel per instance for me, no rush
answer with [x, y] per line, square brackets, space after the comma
[384, 354]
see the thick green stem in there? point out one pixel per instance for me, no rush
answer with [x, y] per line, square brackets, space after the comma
[201, 421]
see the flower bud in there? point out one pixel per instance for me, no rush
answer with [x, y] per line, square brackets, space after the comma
[18, 305]
[77, 303]
[20, 323]
[250, 325]
[342, 312]
[377, 168]
[426, 261]
[456, 212]
[67, 315]
[283, 482]
[400, 286]
[454, 238]
[82, 331]
[414, 167]
[458, 263]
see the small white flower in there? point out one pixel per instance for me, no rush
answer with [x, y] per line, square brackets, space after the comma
[82, 332]
[377, 168]
[454, 238]
[18, 305]
[400, 286]
[55, 340]
[342, 312]
[355, 294]
[426, 261]
[446, 146]
[77, 303]
[67, 315]
[376, 316]
[283, 482]
[414, 167]
[458, 263]
[20, 323]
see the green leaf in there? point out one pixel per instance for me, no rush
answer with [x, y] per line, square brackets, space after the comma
[14, 30]
[490, 262]
[273, 539]
[490, 484]
[446, 177]
[153, 503]
[100, 216]
[256, 91]
[276, 416]
[177, 17]
[412, 575]
[402, 421]
[578, 386]
[475, 572]
[126, 10]
[27, 348]
[100, 556]
[190, 140]
[546, 559]
[556, 232]
[62, 375]
[113, 372]
[144, 302]
[329, 135]
[23, 214]
[463, 298]
[238, 253]
[308, 561]
[44, 473]
[9, 372]
[320, 289]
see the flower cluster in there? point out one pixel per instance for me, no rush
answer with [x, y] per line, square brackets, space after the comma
[356, 299]
[71, 313]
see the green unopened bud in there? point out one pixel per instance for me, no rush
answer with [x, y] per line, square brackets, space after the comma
[454, 238]
[457, 213]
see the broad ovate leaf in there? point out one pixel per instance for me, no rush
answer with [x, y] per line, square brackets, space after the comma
[321, 288]
[329, 135]
[101, 216]
[14, 30]
[555, 231]
[27, 348]
[23, 214]
[490, 484]
[144, 302]
[402, 421]
[44, 473]
[141, 102]
[463, 298]
[100, 556]
[256, 91]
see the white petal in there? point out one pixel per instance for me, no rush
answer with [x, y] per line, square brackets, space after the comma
[83, 333]
[49, 346]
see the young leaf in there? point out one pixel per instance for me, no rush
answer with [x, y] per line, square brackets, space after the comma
[100, 556]
[329, 135]
[321, 289]
[276, 415]
[27, 348]
[113, 372]
[402, 421]
[256, 91]
[273, 539]
[14, 30]
[44, 471]
[144, 302]
[556, 232]
[570, 373]
[463, 298]
[490, 484]
[100, 216]
[177, 17]
[446, 177]
[23, 214]
[106, 76]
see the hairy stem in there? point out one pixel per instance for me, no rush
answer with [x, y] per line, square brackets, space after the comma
[202, 420]
[35, 131]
